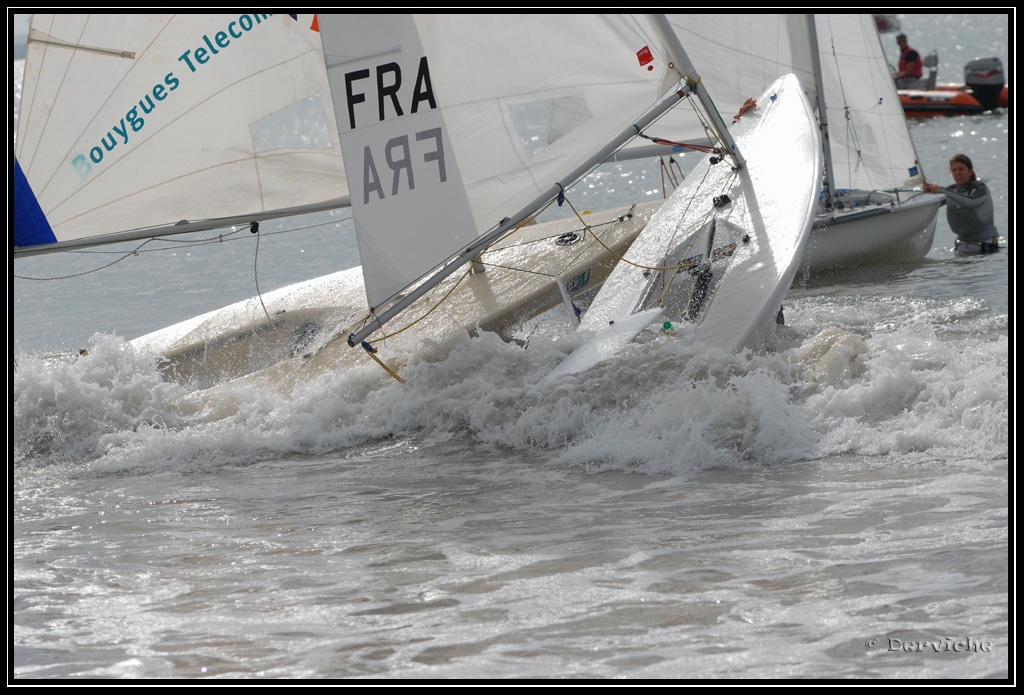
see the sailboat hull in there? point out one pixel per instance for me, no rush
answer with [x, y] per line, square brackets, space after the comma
[874, 234]
[256, 333]
[306, 332]
[729, 242]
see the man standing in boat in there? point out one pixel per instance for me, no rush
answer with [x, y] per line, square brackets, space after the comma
[968, 208]
[911, 66]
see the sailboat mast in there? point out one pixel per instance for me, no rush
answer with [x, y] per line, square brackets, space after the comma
[685, 67]
[474, 249]
[812, 35]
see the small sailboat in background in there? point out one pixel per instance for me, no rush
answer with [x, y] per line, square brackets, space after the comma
[873, 208]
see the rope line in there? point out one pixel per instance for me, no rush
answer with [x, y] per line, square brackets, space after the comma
[255, 229]
[670, 169]
[219, 239]
[372, 352]
[124, 255]
[430, 311]
[688, 146]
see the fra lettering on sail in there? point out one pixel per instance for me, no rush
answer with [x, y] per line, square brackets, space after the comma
[400, 153]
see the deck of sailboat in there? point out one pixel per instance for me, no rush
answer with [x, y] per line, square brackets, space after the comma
[300, 332]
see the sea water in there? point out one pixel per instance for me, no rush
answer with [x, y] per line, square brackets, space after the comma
[835, 507]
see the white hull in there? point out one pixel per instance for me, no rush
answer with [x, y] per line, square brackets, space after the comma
[881, 234]
[724, 268]
[306, 335]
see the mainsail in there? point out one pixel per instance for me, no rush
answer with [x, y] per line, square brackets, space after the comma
[872, 207]
[455, 128]
[131, 124]
[741, 54]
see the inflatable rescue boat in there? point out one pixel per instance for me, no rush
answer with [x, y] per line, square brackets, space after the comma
[984, 89]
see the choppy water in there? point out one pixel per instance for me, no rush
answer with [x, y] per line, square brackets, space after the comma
[836, 507]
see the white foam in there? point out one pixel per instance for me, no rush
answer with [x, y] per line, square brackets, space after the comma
[912, 387]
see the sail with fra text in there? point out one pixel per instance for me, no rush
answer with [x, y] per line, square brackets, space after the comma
[455, 127]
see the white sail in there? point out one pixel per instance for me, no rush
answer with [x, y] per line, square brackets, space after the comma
[871, 161]
[871, 144]
[511, 105]
[741, 54]
[138, 121]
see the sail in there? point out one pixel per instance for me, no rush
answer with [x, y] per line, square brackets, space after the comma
[138, 121]
[741, 54]
[871, 144]
[451, 123]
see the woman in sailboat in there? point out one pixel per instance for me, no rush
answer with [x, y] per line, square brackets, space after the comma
[968, 208]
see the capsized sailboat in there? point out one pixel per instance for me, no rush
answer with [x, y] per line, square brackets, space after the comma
[454, 135]
[454, 132]
[715, 262]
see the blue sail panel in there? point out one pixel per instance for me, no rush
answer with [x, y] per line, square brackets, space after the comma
[31, 227]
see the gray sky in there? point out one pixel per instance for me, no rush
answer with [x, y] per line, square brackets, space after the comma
[20, 24]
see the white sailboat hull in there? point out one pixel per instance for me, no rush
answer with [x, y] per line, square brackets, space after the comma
[240, 339]
[882, 234]
[749, 247]
[309, 322]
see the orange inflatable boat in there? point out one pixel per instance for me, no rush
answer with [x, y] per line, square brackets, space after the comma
[984, 89]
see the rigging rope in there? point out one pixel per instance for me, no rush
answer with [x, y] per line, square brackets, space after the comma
[431, 310]
[688, 146]
[372, 352]
[587, 228]
[671, 169]
[254, 228]
[219, 239]
[124, 255]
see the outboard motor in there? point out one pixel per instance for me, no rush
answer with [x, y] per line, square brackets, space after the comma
[985, 78]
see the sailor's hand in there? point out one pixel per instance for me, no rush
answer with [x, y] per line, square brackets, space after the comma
[931, 188]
